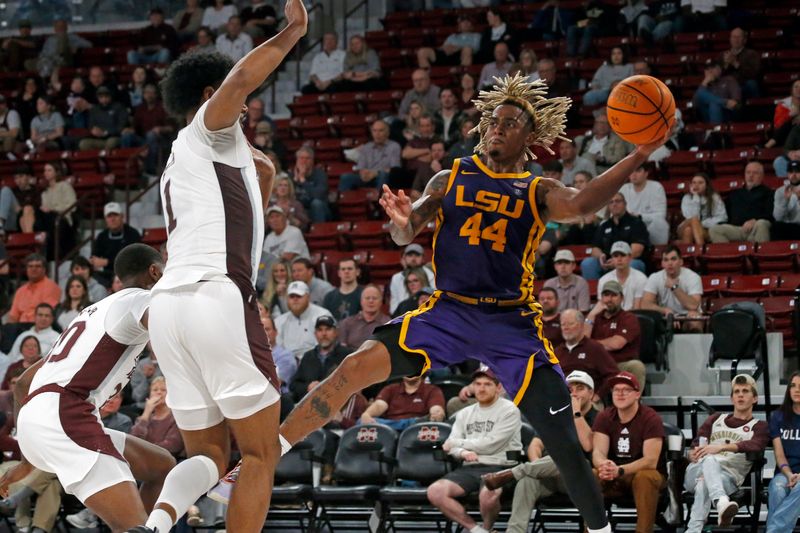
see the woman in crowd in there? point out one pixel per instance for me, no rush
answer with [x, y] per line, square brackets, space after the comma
[784, 489]
[156, 423]
[612, 71]
[415, 111]
[58, 199]
[283, 196]
[415, 280]
[76, 299]
[702, 208]
[528, 65]
[467, 94]
[275, 298]
[362, 67]
[498, 30]
[31, 352]
[134, 89]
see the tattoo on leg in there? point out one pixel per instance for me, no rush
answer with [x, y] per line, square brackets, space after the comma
[321, 407]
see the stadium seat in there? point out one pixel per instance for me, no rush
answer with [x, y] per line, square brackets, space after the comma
[778, 256]
[780, 313]
[683, 164]
[748, 133]
[751, 285]
[748, 346]
[725, 162]
[345, 103]
[357, 204]
[726, 257]
[790, 283]
[327, 235]
[713, 285]
[368, 234]
[154, 237]
[382, 265]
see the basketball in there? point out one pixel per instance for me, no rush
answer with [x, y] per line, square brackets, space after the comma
[641, 109]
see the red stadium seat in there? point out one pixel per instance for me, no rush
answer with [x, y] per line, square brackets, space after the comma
[727, 257]
[675, 189]
[382, 265]
[369, 234]
[19, 245]
[790, 283]
[751, 285]
[731, 161]
[154, 237]
[327, 235]
[778, 256]
[713, 284]
[358, 204]
[779, 311]
[683, 164]
[748, 133]
[344, 103]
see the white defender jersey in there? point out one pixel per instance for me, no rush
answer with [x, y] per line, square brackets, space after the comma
[97, 353]
[212, 207]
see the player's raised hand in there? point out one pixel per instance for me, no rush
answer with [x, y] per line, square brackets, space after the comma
[296, 14]
[647, 149]
[397, 206]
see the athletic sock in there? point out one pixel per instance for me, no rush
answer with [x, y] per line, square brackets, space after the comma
[606, 529]
[184, 484]
[285, 446]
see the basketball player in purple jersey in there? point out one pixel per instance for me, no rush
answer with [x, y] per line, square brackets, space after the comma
[490, 216]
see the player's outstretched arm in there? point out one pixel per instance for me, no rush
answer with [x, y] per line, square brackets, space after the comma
[566, 204]
[408, 219]
[249, 73]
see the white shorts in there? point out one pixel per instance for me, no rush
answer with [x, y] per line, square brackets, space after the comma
[62, 434]
[213, 351]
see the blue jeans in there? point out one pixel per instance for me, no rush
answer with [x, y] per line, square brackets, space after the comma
[397, 425]
[318, 210]
[784, 505]
[137, 58]
[781, 166]
[579, 40]
[658, 31]
[710, 106]
[348, 182]
[709, 482]
[592, 269]
[596, 96]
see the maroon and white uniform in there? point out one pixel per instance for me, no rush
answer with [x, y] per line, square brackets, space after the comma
[205, 326]
[59, 428]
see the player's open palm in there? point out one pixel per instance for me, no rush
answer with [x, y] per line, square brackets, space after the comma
[296, 13]
[397, 206]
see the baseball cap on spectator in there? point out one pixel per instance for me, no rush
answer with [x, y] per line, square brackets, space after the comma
[612, 286]
[745, 379]
[275, 209]
[794, 166]
[297, 288]
[103, 90]
[485, 372]
[325, 320]
[579, 376]
[621, 247]
[564, 255]
[413, 248]
[112, 208]
[625, 378]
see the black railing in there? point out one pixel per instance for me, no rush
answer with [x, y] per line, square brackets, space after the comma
[347, 13]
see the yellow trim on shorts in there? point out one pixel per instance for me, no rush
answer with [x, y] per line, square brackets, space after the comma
[548, 348]
[526, 381]
[427, 306]
[529, 255]
[507, 175]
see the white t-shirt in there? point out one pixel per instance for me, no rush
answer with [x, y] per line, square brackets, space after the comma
[97, 353]
[212, 207]
[632, 288]
[327, 66]
[234, 48]
[215, 19]
[296, 334]
[650, 203]
[688, 281]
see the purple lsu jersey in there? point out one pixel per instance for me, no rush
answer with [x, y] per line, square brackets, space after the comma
[487, 233]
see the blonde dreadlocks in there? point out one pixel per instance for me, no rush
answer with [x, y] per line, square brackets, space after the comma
[549, 115]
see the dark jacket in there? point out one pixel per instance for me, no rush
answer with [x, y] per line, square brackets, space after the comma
[745, 204]
[312, 368]
[630, 229]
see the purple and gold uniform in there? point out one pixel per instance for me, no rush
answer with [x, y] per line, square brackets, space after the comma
[484, 247]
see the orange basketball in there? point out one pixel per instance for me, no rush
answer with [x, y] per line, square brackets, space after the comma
[641, 109]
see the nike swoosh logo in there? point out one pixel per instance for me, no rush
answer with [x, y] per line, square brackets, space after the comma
[552, 412]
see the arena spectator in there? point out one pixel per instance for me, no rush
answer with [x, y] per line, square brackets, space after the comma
[59, 50]
[362, 67]
[274, 297]
[592, 19]
[620, 226]
[283, 196]
[217, 15]
[423, 92]
[786, 208]
[327, 66]
[791, 152]
[614, 70]
[345, 300]
[10, 127]
[660, 20]
[633, 281]
[417, 152]
[416, 284]
[617, 330]
[426, 172]
[205, 42]
[107, 119]
[358, 327]
[401, 404]
[97, 79]
[411, 129]
[285, 362]
[702, 209]
[76, 299]
[602, 146]
[25, 103]
[497, 31]
[551, 318]
[448, 118]
[311, 185]
[718, 96]
[56, 210]
[458, 48]
[31, 352]
[412, 258]
[481, 436]
[572, 163]
[527, 65]
[156, 42]
[549, 74]
[260, 19]
[77, 97]
[787, 115]
[784, 430]
[467, 92]
[47, 128]
[464, 145]
[646, 199]
[81, 266]
[628, 438]
[320, 359]
[742, 63]
[48, 502]
[133, 91]
[254, 117]
[147, 369]
[284, 243]
[187, 21]
[296, 326]
[234, 43]
[499, 68]
[584, 230]
[38, 289]
[376, 159]
[552, 170]
[573, 291]
[108, 243]
[156, 423]
[719, 467]
[675, 290]
[151, 128]
[540, 477]
[19, 52]
[112, 418]
[303, 270]
[702, 15]
[749, 210]
[9, 208]
[580, 353]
